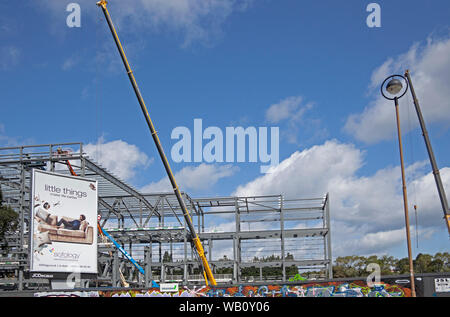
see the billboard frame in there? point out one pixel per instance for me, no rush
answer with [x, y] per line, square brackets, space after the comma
[58, 274]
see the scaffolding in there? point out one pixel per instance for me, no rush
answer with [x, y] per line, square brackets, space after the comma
[237, 233]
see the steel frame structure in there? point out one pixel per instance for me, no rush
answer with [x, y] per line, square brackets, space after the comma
[236, 232]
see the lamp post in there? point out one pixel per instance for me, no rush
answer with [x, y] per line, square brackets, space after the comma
[393, 91]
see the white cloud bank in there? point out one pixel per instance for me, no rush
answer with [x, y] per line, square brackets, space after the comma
[429, 65]
[201, 177]
[292, 112]
[288, 108]
[196, 21]
[119, 157]
[366, 211]
[125, 160]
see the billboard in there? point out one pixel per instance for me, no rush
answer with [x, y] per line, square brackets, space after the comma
[63, 223]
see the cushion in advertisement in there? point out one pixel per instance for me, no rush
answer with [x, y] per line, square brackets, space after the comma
[47, 228]
[42, 238]
[42, 213]
[71, 233]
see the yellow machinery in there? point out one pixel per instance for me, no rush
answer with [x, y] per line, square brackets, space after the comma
[195, 239]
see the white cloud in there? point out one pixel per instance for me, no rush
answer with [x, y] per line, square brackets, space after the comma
[69, 63]
[194, 20]
[203, 176]
[308, 172]
[119, 157]
[13, 141]
[363, 208]
[229, 226]
[429, 66]
[9, 56]
[292, 111]
[288, 108]
[380, 74]
[378, 242]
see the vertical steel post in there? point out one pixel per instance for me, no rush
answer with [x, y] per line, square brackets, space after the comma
[150, 272]
[83, 161]
[283, 260]
[52, 164]
[185, 266]
[210, 249]
[237, 244]
[22, 255]
[148, 267]
[328, 238]
[115, 268]
[140, 213]
[405, 200]
[162, 224]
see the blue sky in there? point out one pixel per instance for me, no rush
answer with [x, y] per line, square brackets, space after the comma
[228, 62]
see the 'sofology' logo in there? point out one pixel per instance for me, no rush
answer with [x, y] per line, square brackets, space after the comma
[65, 255]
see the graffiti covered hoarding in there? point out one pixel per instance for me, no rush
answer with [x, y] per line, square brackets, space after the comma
[63, 223]
[326, 289]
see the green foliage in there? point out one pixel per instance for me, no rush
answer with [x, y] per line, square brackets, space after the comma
[8, 218]
[351, 266]
[403, 266]
[422, 263]
[167, 257]
[355, 266]
[266, 271]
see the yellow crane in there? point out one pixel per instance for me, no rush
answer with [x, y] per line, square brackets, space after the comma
[208, 275]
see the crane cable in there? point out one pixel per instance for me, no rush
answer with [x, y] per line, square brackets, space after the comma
[412, 161]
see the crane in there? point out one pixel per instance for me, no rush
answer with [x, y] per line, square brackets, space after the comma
[208, 275]
[437, 175]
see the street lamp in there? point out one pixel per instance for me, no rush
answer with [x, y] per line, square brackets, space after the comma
[393, 89]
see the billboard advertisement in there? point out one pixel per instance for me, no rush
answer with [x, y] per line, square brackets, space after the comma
[63, 223]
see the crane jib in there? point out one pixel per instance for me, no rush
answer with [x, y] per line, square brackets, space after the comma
[199, 248]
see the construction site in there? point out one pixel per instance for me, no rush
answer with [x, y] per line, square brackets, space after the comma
[84, 231]
[146, 239]
[149, 225]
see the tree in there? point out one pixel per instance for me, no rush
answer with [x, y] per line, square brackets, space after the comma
[8, 219]
[422, 263]
[350, 266]
[387, 264]
[355, 266]
[402, 266]
[167, 257]
[437, 265]
[441, 262]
